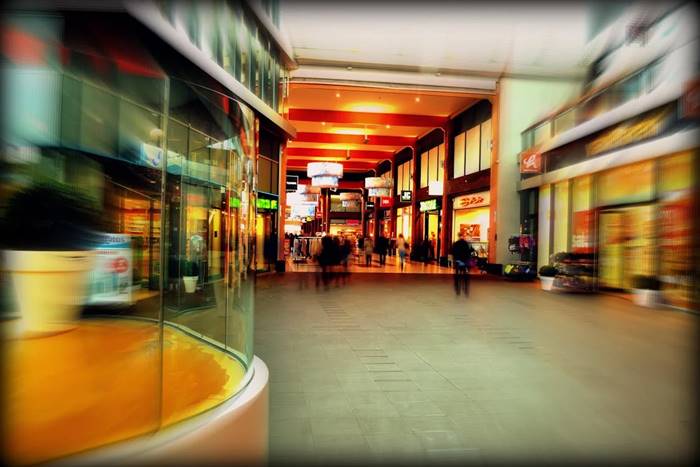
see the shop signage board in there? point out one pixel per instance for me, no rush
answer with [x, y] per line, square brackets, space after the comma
[406, 195]
[472, 232]
[531, 162]
[264, 203]
[292, 183]
[385, 201]
[472, 201]
[630, 132]
[428, 205]
[369, 205]
[111, 279]
[435, 188]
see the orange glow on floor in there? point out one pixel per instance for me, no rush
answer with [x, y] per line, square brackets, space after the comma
[101, 382]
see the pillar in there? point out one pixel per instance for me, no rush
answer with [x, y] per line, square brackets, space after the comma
[495, 162]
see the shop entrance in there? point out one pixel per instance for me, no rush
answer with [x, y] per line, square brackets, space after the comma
[430, 247]
[626, 245]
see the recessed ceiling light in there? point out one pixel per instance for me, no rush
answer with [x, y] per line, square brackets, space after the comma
[349, 68]
[438, 73]
[337, 94]
[388, 126]
[323, 123]
[417, 99]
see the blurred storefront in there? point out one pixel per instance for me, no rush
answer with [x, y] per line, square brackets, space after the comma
[623, 192]
[168, 154]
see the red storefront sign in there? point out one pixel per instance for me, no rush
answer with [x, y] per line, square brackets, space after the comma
[531, 162]
[582, 231]
[386, 201]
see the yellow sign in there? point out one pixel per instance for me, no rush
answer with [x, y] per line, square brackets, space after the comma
[627, 133]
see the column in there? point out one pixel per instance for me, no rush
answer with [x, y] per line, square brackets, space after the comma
[493, 208]
[446, 219]
[281, 205]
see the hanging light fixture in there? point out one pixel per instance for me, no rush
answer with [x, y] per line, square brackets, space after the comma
[378, 186]
[324, 174]
[308, 189]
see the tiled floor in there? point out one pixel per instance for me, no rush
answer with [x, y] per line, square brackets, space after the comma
[358, 264]
[396, 367]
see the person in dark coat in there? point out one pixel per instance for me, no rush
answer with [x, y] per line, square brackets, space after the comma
[461, 254]
[382, 246]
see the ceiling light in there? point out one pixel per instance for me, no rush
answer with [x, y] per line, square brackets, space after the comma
[388, 126]
[438, 73]
[323, 123]
[349, 68]
[337, 94]
[417, 99]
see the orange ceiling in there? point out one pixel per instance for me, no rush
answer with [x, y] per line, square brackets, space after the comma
[402, 112]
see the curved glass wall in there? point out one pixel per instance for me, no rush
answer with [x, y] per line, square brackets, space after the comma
[162, 324]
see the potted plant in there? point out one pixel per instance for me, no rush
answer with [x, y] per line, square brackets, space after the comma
[47, 235]
[646, 290]
[547, 274]
[190, 276]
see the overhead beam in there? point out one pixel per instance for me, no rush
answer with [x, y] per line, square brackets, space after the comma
[381, 140]
[294, 153]
[349, 166]
[369, 118]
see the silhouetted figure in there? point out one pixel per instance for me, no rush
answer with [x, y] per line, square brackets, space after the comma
[325, 260]
[382, 246]
[461, 253]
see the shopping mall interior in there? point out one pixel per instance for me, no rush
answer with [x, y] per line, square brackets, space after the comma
[349, 233]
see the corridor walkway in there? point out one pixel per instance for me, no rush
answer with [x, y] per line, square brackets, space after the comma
[389, 368]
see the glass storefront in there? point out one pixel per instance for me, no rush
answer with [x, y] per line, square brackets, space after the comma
[471, 217]
[636, 219]
[403, 223]
[165, 324]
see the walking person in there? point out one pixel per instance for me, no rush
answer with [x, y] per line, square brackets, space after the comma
[402, 248]
[369, 247]
[382, 246]
[461, 253]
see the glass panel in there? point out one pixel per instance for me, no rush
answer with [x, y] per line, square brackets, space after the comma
[564, 122]
[441, 161]
[98, 128]
[433, 163]
[561, 217]
[628, 184]
[424, 170]
[473, 146]
[543, 225]
[583, 216]
[264, 178]
[459, 155]
[541, 133]
[274, 185]
[485, 145]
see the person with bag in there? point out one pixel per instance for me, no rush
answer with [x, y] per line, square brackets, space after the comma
[461, 253]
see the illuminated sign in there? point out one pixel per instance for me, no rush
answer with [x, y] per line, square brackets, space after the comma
[472, 201]
[263, 203]
[628, 132]
[435, 188]
[385, 201]
[531, 162]
[406, 195]
[428, 205]
[235, 202]
[292, 183]
[369, 205]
